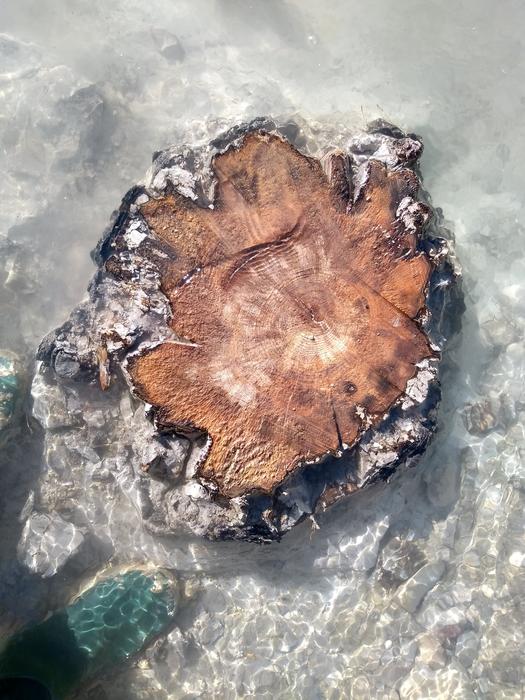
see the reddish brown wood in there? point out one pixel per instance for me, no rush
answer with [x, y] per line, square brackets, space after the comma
[295, 311]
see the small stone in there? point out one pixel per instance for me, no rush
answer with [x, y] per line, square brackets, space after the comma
[507, 667]
[399, 560]
[467, 646]
[415, 589]
[360, 688]
[265, 680]
[207, 629]
[50, 405]
[449, 682]
[9, 386]
[517, 559]
[489, 414]
[431, 652]
[47, 543]
[169, 45]
[449, 633]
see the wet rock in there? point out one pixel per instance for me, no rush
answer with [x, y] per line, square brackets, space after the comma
[47, 543]
[50, 405]
[9, 386]
[168, 45]
[447, 682]
[431, 653]
[507, 667]
[411, 593]
[159, 456]
[167, 658]
[490, 414]
[399, 560]
[467, 647]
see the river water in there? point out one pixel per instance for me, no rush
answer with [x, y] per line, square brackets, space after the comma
[413, 589]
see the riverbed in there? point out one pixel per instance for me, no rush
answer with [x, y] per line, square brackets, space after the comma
[411, 589]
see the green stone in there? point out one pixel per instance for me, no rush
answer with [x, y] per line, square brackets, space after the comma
[9, 386]
[104, 626]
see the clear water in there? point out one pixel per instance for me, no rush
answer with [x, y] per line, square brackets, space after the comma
[414, 589]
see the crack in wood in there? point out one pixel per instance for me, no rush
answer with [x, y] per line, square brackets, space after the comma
[289, 297]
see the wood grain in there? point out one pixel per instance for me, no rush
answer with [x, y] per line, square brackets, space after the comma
[296, 308]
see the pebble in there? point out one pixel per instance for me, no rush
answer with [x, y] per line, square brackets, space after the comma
[50, 405]
[431, 652]
[47, 543]
[467, 645]
[411, 593]
[9, 386]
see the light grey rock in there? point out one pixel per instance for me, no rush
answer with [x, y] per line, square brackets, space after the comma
[411, 593]
[424, 682]
[161, 457]
[47, 543]
[50, 405]
[364, 548]
[169, 45]
[431, 653]
[467, 647]
[399, 560]
[491, 413]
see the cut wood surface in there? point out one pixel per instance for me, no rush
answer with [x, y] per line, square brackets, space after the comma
[295, 307]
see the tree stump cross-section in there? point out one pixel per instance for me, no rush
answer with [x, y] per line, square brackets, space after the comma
[296, 306]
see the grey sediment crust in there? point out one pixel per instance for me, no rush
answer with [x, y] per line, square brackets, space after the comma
[127, 313]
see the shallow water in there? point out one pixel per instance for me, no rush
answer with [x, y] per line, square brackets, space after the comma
[413, 589]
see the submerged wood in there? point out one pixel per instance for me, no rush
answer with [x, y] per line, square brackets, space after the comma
[294, 306]
[278, 309]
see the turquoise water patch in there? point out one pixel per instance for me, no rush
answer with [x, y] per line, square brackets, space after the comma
[9, 385]
[115, 618]
[104, 626]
